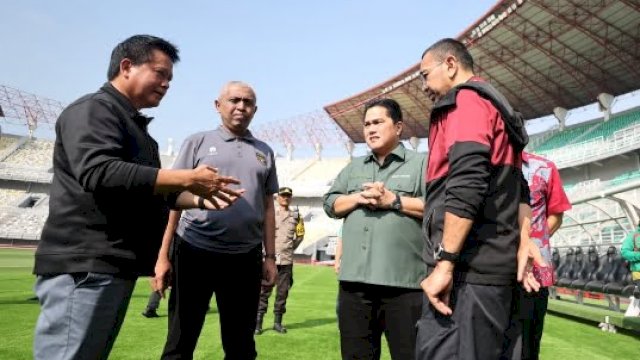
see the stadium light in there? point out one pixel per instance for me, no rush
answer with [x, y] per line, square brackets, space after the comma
[414, 142]
[561, 114]
[349, 145]
[604, 104]
[290, 148]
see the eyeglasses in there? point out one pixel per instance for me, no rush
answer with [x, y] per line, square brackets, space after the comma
[424, 74]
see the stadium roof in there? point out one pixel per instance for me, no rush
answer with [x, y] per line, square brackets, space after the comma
[541, 54]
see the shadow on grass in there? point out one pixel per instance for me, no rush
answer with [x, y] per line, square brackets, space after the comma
[310, 323]
[19, 301]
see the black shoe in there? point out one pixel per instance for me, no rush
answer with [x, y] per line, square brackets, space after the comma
[258, 330]
[150, 314]
[279, 328]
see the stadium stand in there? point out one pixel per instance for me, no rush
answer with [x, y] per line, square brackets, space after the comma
[321, 172]
[590, 131]
[288, 169]
[6, 142]
[563, 138]
[34, 153]
[22, 226]
[593, 141]
[10, 197]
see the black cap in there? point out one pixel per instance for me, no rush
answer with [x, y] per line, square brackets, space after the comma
[285, 191]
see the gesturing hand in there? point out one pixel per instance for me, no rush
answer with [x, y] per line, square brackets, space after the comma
[206, 182]
[223, 198]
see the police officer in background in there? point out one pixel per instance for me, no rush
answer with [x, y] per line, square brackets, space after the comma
[289, 234]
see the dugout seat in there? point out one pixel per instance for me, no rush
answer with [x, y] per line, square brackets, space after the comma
[565, 262]
[573, 266]
[555, 261]
[589, 266]
[607, 265]
[617, 280]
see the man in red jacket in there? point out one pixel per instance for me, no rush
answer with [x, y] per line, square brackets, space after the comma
[470, 227]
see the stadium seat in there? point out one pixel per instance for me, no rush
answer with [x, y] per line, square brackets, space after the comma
[607, 265]
[630, 288]
[563, 264]
[618, 122]
[617, 280]
[566, 273]
[589, 266]
[555, 261]
[565, 137]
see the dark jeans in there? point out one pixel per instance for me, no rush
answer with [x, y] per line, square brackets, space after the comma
[365, 311]
[527, 321]
[283, 284]
[235, 279]
[475, 330]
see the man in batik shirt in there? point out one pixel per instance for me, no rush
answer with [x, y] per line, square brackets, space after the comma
[548, 204]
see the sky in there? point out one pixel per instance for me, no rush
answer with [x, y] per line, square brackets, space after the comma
[298, 55]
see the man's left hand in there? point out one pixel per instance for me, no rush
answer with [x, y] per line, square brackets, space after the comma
[386, 197]
[269, 272]
[528, 254]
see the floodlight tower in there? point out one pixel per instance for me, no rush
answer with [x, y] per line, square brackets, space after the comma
[22, 108]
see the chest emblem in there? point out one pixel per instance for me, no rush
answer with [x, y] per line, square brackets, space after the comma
[213, 151]
[261, 158]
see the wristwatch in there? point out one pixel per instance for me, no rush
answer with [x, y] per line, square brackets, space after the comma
[396, 204]
[440, 254]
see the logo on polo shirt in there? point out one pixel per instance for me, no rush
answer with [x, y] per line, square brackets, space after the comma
[261, 158]
[213, 151]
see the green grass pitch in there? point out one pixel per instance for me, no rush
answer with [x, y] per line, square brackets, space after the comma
[310, 318]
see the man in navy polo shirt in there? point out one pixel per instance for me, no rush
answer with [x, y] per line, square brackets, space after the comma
[222, 251]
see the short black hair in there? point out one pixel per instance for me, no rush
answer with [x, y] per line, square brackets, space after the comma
[139, 49]
[392, 107]
[449, 46]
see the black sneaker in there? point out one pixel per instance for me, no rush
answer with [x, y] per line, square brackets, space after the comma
[150, 314]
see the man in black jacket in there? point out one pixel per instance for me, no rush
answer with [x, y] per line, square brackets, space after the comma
[109, 204]
[471, 226]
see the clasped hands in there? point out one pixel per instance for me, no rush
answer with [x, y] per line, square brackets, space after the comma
[213, 188]
[375, 196]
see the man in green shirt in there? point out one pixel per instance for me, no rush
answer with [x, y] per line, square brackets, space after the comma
[380, 198]
[630, 250]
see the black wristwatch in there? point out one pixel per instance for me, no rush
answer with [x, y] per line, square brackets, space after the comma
[440, 254]
[396, 204]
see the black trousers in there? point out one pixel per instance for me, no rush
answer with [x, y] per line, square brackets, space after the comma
[527, 322]
[366, 311]
[283, 284]
[235, 279]
[475, 330]
[154, 301]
